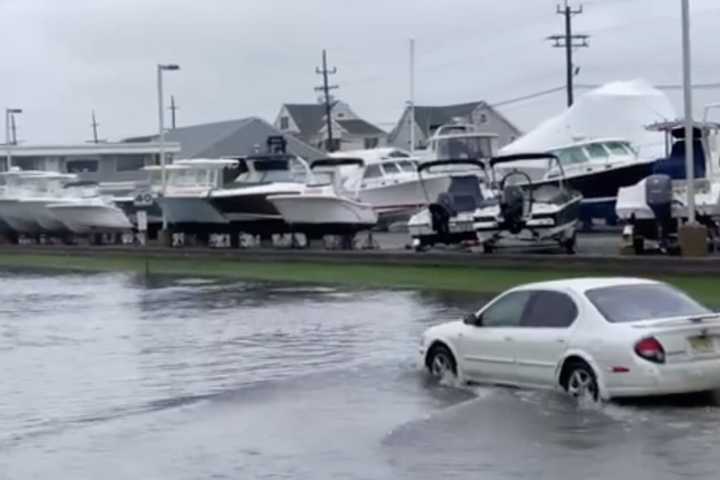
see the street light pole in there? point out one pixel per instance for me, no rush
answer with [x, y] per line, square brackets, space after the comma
[9, 112]
[687, 92]
[161, 128]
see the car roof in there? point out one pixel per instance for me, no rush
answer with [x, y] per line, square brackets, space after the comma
[583, 284]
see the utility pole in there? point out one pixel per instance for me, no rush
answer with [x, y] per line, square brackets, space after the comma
[325, 89]
[13, 127]
[568, 41]
[95, 128]
[173, 108]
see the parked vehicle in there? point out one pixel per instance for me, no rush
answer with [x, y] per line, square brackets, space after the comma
[595, 337]
[653, 208]
[538, 214]
[324, 207]
[450, 216]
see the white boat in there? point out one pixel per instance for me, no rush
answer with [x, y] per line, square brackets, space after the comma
[460, 141]
[653, 208]
[450, 217]
[325, 207]
[189, 183]
[536, 214]
[26, 195]
[389, 181]
[83, 210]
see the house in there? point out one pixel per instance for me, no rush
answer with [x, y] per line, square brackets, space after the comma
[429, 118]
[232, 137]
[307, 121]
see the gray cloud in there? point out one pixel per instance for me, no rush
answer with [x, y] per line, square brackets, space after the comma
[246, 57]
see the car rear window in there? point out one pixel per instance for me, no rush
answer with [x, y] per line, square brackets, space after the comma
[633, 303]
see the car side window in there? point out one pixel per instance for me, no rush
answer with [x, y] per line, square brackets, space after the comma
[507, 311]
[549, 309]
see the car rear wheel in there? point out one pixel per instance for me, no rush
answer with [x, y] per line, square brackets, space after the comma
[441, 362]
[580, 381]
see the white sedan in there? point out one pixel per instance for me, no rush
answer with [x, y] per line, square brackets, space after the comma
[597, 337]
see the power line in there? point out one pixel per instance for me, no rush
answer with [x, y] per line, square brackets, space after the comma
[568, 41]
[325, 89]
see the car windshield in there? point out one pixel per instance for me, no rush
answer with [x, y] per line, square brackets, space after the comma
[634, 303]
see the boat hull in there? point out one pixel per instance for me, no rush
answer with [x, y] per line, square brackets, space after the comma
[248, 210]
[404, 195]
[324, 214]
[38, 211]
[88, 218]
[600, 187]
[12, 213]
[190, 210]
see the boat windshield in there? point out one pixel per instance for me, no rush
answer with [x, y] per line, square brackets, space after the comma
[570, 156]
[464, 147]
[267, 170]
[390, 168]
[192, 177]
[37, 185]
[407, 166]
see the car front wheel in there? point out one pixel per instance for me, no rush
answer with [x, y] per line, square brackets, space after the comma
[580, 381]
[441, 362]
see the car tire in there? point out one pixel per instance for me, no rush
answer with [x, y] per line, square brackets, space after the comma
[441, 362]
[579, 381]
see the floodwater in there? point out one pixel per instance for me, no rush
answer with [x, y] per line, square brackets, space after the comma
[111, 376]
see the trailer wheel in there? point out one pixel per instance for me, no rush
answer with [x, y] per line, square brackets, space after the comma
[488, 247]
[569, 244]
[638, 244]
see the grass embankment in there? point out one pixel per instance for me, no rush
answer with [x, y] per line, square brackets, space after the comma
[471, 279]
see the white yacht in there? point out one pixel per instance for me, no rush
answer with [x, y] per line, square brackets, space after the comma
[388, 180]
[83, 210]
[325, 207]
[189, 185]
[26, 194]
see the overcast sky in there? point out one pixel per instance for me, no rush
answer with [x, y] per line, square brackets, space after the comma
[62, 58]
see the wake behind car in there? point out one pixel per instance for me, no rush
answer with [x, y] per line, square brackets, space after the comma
[597, 337]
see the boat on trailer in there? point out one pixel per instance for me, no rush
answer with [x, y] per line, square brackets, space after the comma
[325, 207]
[449, 218]
[525, 212]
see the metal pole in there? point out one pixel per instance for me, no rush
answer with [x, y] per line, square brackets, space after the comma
[13, 129]
[687, 92]
[7, 138]
[568, 53]
[328, 108]
[161, 132]
[412, 96]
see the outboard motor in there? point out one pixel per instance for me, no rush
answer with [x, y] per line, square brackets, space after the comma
[441, 212]
[512, 208]
[659, 197]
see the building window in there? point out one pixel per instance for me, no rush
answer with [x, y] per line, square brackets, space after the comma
[483, 118]
[371, 142]
[129, 163]
[284, 123]
[81, 166]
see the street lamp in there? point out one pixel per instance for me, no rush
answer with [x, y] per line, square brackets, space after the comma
[161, 126]
[9, 112]
[687, 93]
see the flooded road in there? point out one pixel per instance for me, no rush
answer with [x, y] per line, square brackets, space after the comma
[109, 376]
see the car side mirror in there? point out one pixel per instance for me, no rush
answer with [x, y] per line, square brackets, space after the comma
[472, 319]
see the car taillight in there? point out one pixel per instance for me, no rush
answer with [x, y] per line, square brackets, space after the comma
[650, 349]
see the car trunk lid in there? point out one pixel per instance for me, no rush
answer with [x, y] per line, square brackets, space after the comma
[686, 338]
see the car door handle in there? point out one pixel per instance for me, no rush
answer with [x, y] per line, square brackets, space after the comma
[560, 340]
[508, 339]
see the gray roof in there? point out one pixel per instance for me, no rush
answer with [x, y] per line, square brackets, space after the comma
[232, 137]
[309, 117]
[428, 118]
[358, 126]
